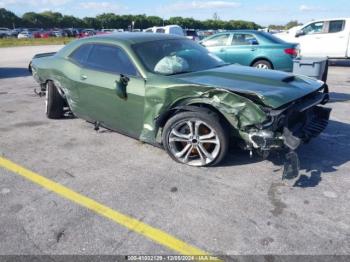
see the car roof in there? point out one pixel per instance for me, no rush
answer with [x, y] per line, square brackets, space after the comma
[134, 37]
[239, 31]
[329, 19]
[244, 31]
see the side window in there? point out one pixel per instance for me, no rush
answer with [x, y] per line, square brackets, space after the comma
[176, 31]
[244, 39]
[336, 26]
[80, 54]
[218, 40]
[314, 28]
[160, 30]
[111, 59]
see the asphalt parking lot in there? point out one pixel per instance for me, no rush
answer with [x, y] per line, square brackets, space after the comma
[240, 207]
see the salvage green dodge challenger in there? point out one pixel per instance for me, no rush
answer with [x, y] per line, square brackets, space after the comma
[170, 91]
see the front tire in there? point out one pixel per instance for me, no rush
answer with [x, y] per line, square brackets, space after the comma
[54, 102]
[195, 138]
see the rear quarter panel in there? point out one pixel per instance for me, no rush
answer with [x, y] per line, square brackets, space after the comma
[63, 73]
[276, 55]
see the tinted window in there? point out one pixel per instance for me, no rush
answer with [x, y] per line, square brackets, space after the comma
[314, 28]
[111, 59]
[336, 26]
[243, 39]
[80, 54]
[160, 30]
[218, 40]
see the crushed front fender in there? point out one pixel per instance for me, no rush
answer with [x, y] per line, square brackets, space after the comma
[239, 111]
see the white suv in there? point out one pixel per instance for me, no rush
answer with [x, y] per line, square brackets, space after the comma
[168, 29]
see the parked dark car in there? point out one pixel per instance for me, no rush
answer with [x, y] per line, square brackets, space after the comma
[87, 32]
[191, 34]
[71, 32]
[253, 48]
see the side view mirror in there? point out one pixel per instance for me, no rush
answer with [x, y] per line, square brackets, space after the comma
[299, 33]
[121, 85]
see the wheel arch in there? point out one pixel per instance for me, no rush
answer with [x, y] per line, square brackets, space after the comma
[263, 59]
[191, 107]
[59, 89]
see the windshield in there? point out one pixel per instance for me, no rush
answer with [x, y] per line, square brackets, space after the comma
[175, 56]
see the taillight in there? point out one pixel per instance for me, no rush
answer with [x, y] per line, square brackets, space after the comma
[291, 51]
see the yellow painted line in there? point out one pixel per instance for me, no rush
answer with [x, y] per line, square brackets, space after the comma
[133, 224]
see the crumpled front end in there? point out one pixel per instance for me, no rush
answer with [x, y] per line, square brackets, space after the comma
[292, 125]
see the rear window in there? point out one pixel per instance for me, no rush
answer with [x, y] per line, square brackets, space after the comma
[80, 54]
[336, 26]
[272, 38]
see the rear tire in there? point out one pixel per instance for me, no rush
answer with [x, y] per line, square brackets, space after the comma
[54, 102]
[195, 138]
[262, 64]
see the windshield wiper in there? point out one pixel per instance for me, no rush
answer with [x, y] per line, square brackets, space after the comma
[178, 73]
[226, 64]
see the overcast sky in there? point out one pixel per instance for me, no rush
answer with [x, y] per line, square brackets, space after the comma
[262, 12]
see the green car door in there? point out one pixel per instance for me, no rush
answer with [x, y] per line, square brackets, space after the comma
[218, 44]
[242, 49]
[102, 74]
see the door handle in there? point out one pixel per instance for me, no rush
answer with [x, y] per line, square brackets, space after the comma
[83, 77]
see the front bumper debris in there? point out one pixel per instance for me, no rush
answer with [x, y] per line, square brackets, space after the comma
[295, 127]
[315, 122]
[291, 166]
[298, 128]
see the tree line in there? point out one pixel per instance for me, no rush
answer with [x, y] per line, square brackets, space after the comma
[287, 26]
[50, 19]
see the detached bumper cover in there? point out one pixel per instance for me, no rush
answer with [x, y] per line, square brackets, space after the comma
[315, 123]
[307, 125]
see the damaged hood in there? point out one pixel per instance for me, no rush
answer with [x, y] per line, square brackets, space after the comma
[273, 88]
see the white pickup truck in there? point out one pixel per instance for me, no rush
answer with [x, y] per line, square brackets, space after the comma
[321, 38]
